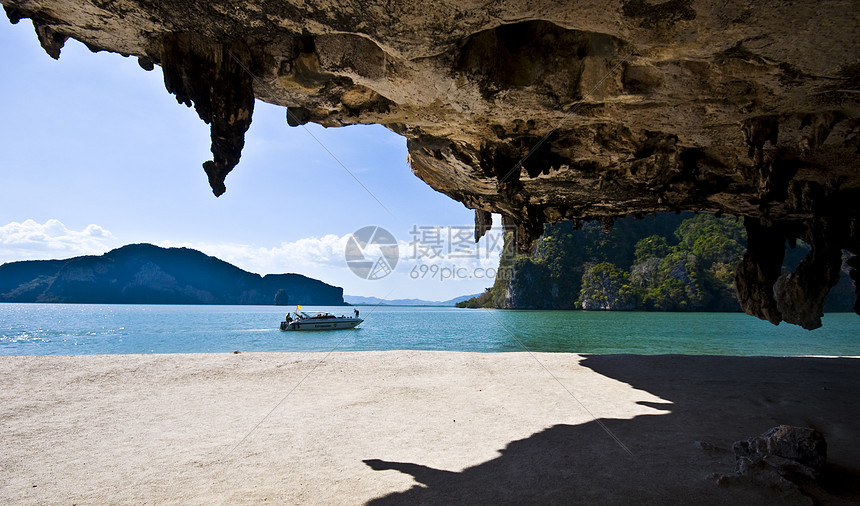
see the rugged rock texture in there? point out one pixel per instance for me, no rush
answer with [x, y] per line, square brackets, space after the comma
[785, 458]
[213, 78]
[789, 461]
[786, 449]
[544, 111]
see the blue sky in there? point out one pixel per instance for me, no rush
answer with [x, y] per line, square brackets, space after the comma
[95, 154]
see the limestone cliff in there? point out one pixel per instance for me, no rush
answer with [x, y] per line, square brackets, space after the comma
[545, 111]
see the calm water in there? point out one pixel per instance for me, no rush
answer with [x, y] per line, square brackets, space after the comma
[83, 329]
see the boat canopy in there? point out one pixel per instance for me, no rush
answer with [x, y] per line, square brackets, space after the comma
[316, 315]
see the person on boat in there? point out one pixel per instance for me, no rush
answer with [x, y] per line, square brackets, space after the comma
[356, 312]
[289, 318]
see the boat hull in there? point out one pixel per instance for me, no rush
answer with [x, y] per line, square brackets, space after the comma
[321, 324]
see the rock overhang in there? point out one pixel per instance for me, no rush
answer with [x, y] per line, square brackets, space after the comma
[572, 110]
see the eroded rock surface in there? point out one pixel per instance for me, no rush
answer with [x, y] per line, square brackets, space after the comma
[545, 111]
[788, 450]
[786, 460]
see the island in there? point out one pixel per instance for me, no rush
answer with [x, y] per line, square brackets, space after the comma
[149, 274]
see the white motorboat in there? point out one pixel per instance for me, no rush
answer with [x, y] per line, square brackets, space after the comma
[319, 321]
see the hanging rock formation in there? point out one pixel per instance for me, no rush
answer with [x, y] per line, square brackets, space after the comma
[545, 111]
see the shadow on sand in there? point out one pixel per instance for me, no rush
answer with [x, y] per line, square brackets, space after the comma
[716, 400]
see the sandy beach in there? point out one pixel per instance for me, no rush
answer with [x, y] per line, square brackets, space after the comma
[407, 427]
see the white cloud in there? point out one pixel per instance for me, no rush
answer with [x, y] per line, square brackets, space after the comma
[329, 252]
[31, 240]
[453, 247]
[416, 275]
[298, 256]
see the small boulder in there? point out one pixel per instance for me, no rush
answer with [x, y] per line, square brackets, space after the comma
[789, 450]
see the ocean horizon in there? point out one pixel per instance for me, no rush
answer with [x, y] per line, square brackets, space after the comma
[96, 329]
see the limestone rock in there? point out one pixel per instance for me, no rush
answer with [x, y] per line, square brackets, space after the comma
[544, 111]
[786, 449]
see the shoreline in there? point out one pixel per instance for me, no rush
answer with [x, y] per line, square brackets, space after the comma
[393, 427]
[348, 352]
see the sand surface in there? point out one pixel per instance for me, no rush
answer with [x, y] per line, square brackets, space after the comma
[407, 427]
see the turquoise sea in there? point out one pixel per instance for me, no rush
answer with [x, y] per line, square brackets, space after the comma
[86, 329]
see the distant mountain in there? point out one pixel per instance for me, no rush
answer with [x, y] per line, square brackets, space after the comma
[148, 274]
[374, 301]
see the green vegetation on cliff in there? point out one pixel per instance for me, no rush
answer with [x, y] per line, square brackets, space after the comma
[661, 263]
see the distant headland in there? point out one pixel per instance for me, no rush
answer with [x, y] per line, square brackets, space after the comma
[149, 274]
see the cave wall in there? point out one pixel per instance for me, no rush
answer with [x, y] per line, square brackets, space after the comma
[544, 111]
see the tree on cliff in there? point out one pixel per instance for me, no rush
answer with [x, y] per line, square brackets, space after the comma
[606, 287]
[552, 278]
[696, 274]
[680, 284]
[663, 263]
